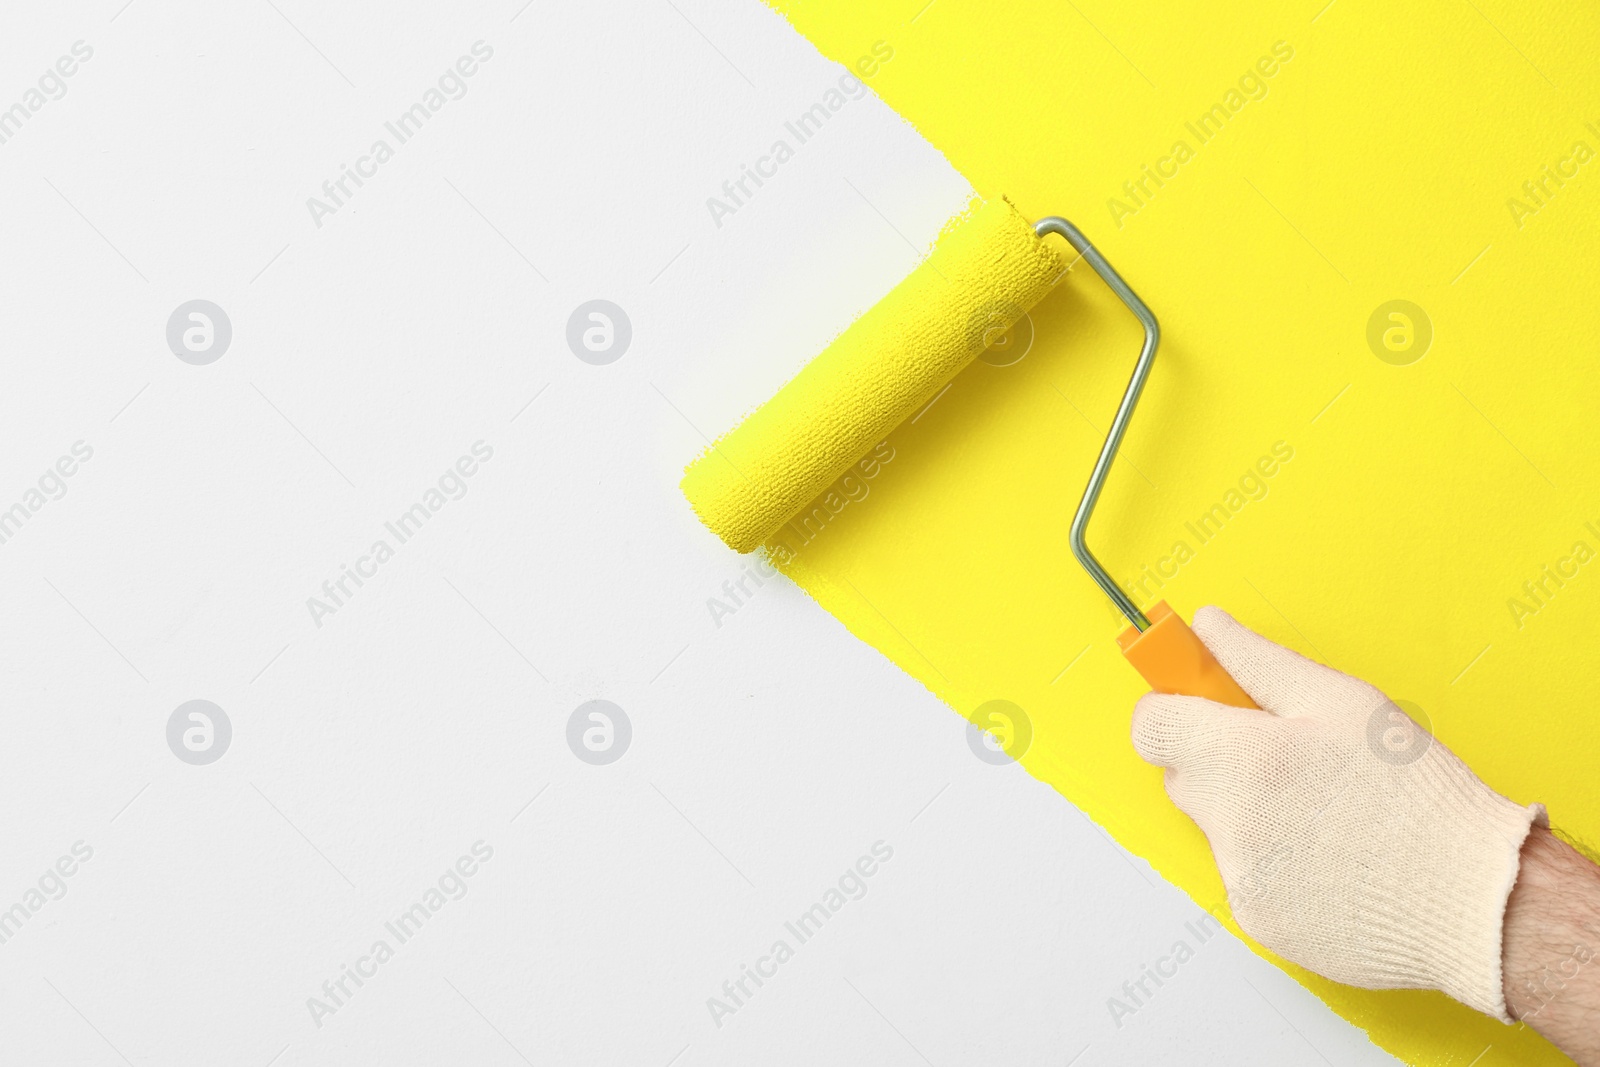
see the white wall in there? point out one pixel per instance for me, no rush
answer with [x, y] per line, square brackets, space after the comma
[375, 745]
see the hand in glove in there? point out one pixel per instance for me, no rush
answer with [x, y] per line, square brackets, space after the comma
[1350, 841]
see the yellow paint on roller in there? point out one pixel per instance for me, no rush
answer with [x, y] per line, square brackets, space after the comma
[985, 271]
[1270, 180]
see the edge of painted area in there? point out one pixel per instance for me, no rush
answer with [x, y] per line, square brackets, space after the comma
[1425, 1015]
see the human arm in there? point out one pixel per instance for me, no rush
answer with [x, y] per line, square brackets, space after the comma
[1552, 946]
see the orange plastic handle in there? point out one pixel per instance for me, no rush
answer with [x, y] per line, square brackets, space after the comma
[1173, 660]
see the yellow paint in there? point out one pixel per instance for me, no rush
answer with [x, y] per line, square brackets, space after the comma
[985, 271]
[1383, 157]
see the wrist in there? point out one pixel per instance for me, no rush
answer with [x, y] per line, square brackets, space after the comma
[1552, 945]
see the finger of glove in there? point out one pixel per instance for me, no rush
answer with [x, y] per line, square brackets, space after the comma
[1281, 681]
[1177, 731]
[1196, 794]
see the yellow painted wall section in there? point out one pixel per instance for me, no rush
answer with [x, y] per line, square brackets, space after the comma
[1403, 498]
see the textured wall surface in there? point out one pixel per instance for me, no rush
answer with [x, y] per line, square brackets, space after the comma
[426, 738]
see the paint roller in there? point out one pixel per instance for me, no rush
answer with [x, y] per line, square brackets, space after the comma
[987, 269]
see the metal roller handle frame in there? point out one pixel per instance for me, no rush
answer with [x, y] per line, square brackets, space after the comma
[1119, 424]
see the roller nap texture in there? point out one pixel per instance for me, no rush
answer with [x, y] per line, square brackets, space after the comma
[987, 269]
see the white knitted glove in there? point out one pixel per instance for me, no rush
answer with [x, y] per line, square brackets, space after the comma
[1350, 841]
